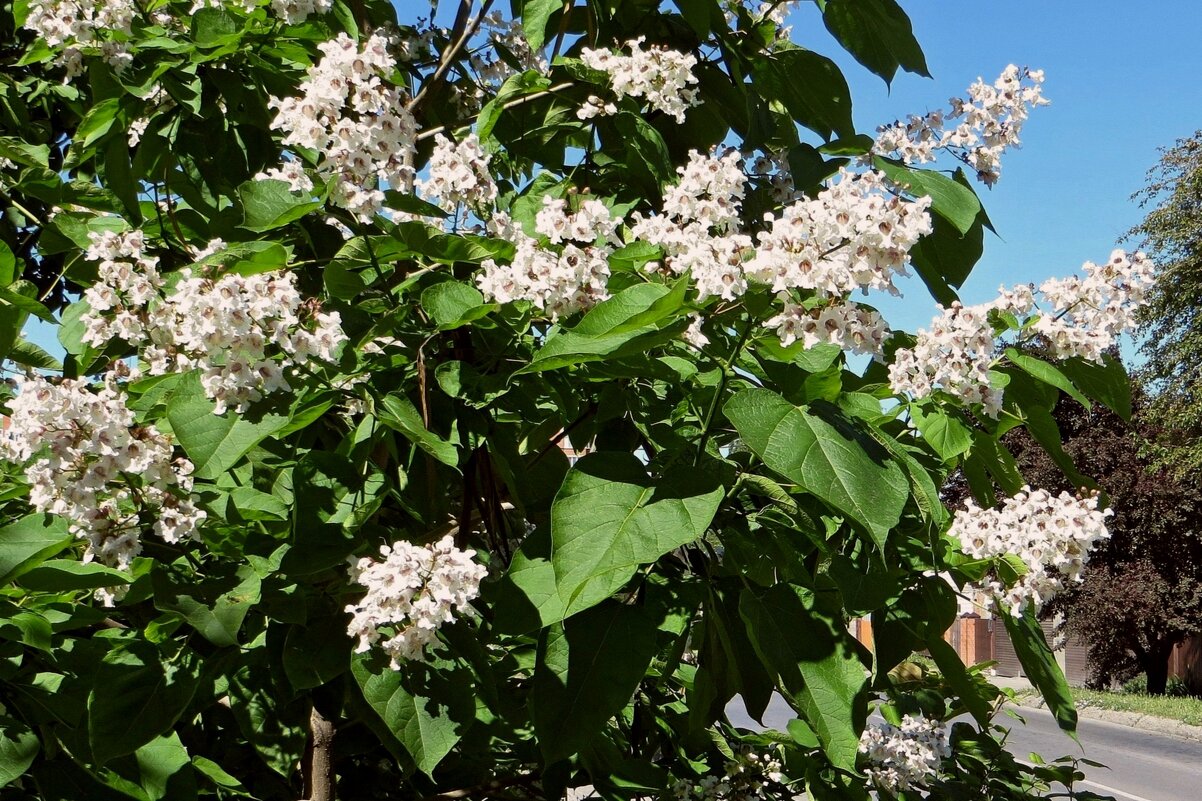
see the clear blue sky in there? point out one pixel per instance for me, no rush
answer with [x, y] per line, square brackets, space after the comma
[1124, 79]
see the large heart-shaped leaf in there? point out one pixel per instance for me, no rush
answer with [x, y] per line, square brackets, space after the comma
[824, 453]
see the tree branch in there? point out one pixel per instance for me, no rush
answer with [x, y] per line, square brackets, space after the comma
[319, 762]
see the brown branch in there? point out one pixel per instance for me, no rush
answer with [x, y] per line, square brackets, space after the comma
[319, 763]
[463, 31]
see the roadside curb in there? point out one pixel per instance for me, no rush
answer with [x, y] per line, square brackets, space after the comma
[1134, 720]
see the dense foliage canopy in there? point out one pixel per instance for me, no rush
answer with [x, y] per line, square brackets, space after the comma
[295, 515]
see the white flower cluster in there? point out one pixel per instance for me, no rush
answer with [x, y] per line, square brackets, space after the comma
[902, 757]
[87, 461]
[986, 124]
[81, 24]
[411, 592]
[1085, 316]
[560, 280]
[698, 228]
[295, 12]
[660, 76]
[459, 175]
[1051, 535]
[849, 325]
[129, 280]
[356, 120]
[956, 354]
[290, 172]
[855, 234]
[751, 776]
[242, 332]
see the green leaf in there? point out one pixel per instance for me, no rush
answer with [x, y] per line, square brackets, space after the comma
[19, 746]
[96, 123]
[958, 680]
[950, 199]
[32, 355]
[825, 455]
[536, 15]
[213, 26]
[452, 304]
[137, 696]
[944, 432]
[1042, 670]
[945, 257]
[587, 672]
[213, 442]
[398, 413]
[165, 769]
[64, 575]
[615, 327]
[878, 34]
[119, 177]
[1047, 373]
[253, 504]
[28, 542]
[271, 204]
[316, 653]
[816, 664]
[333, 500]
[609, 517]
[215, 608]
[1107, 383]
[646, 150]
[810, 86]
[427, 728]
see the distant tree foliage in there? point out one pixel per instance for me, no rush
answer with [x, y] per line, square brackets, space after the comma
[1172, 235]
[1142, 592]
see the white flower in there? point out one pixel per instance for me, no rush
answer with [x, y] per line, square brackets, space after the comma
[989, 123]
[244, 333]
[411, 592]
[848, 325]
[459, 174]
[1084, 318]
[76, 24]
[356, 120]
[88, 461]
[902, 757]
[1051, 535]
[561, 281]
[660, 76]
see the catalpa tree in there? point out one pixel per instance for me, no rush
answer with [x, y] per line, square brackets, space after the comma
[294, 515]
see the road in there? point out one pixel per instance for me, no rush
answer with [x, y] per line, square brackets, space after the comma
[1143, 766]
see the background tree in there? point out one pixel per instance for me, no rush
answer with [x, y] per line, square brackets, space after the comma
[1142, 592]
[1171, 233]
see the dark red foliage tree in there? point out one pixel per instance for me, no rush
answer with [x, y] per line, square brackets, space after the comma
[1142, 592]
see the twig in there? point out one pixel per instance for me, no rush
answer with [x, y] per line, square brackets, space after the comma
[426, 134]
[709, 416]
[318, 765]
[465, 32]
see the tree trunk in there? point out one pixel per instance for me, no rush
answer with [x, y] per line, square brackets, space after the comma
[1157, 667]
[318, 762]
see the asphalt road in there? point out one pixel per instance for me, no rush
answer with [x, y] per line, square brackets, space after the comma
[1141, 765]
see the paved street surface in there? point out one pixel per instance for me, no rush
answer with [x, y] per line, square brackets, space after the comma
[1143, 766]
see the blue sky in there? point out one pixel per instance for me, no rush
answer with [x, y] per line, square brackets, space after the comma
[1123, 78]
